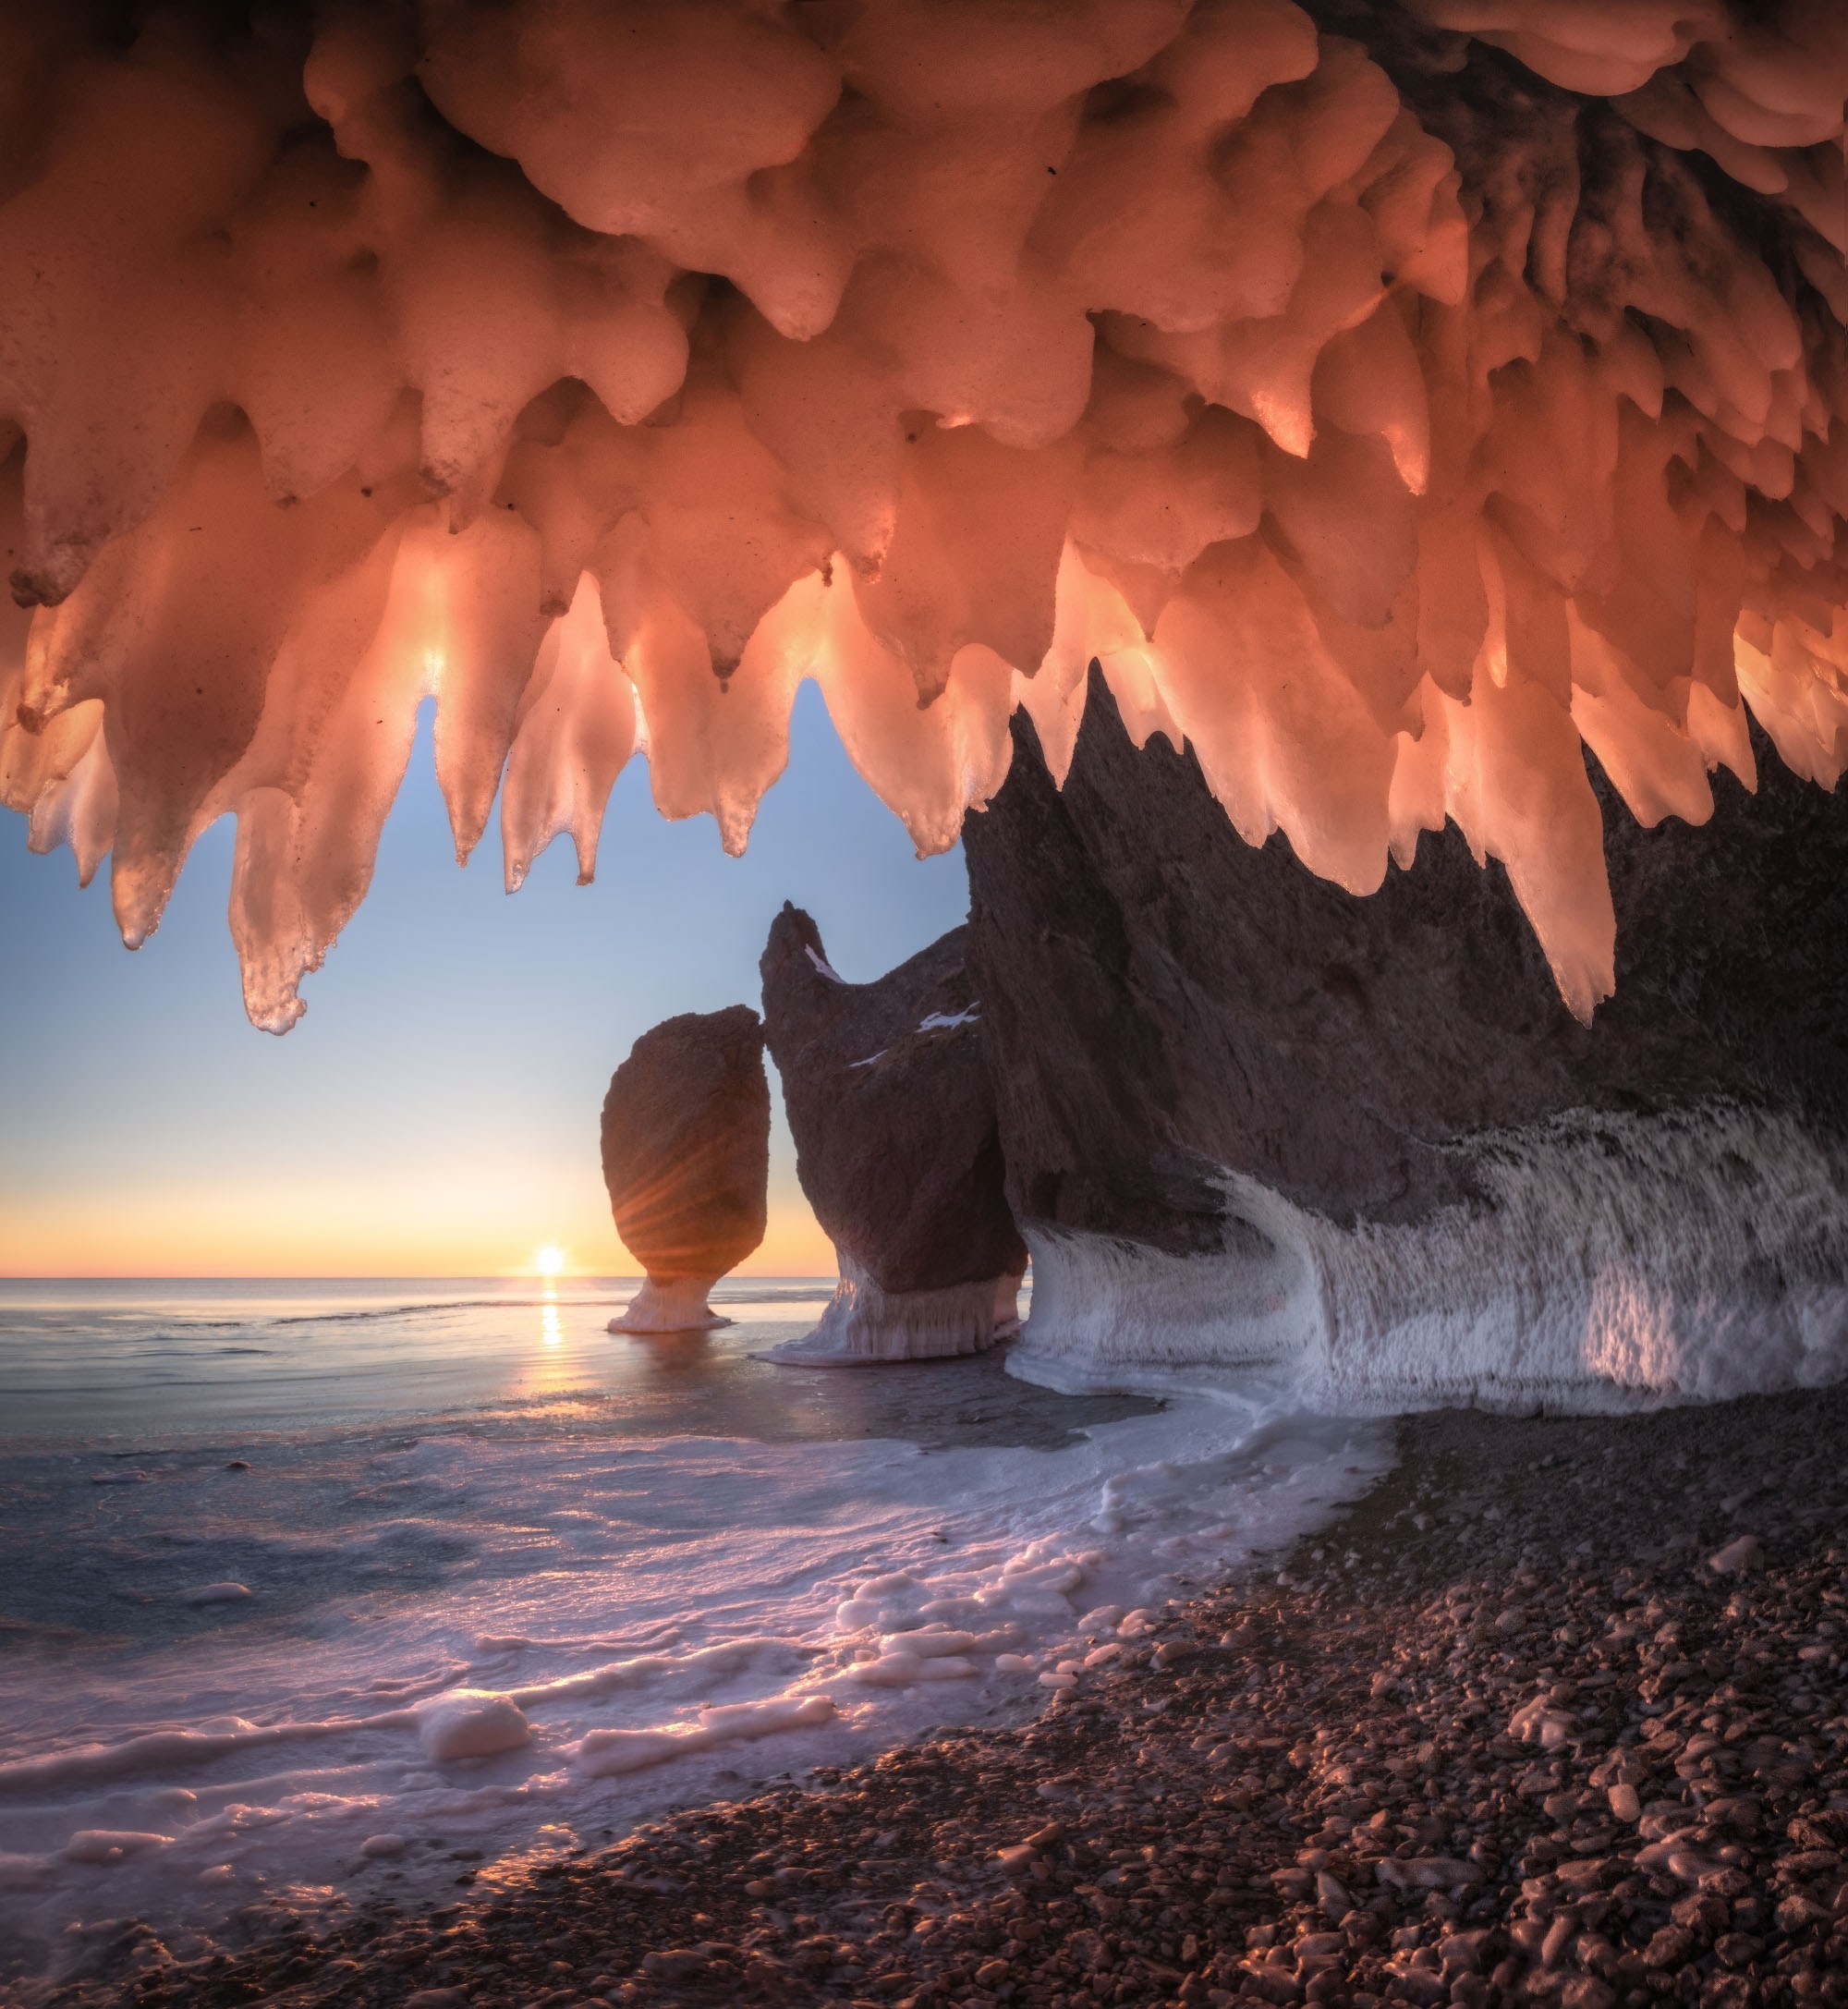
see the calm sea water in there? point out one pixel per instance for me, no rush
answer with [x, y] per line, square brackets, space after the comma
[120, 1363]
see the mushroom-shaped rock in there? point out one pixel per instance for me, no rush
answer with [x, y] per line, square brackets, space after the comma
[1250, 1119]
[892, 1113]
[687, 1160]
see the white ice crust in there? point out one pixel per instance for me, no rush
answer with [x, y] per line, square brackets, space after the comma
[471, 1723]
[1622, 1261]
[865, 1324]
[674, 1304]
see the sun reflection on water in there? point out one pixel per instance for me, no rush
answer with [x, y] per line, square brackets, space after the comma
[549, 1263]
[554, 1370]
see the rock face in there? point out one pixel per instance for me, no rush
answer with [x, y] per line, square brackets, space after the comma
[687, 1160]
[894, 1118]
[1250, 1120]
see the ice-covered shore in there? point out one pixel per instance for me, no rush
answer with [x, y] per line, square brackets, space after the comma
[1505, 1734]
[525, 1644]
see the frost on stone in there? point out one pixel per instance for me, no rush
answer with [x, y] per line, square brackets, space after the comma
[1393, 412]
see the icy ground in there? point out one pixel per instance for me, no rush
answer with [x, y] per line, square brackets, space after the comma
[515, 1582]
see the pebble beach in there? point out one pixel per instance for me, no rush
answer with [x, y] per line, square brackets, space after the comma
[1555, 1714]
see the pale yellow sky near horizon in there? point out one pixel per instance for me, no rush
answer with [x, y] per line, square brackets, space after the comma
[447, 1229]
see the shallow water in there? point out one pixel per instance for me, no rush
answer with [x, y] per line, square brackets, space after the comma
[125, 1365]
[502, 1569]
[123, 1404]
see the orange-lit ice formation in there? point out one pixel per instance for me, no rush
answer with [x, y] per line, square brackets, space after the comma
[1392, 398]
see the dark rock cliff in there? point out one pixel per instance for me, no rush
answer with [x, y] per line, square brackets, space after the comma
[894, 1118]
[1202, 1050]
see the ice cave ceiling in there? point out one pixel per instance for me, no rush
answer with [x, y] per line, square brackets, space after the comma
[1394, 399]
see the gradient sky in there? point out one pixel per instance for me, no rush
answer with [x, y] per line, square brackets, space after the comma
[435, 1112]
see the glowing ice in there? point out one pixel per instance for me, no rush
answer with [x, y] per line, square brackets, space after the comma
[1391, 456]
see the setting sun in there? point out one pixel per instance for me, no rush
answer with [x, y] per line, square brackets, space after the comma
[550, 1260]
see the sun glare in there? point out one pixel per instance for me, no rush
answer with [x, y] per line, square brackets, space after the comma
[549, 1261]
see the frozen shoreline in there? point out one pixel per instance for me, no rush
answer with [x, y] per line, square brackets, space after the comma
[1331, 1782]
[506, 1645]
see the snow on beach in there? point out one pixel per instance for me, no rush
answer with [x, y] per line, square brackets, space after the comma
[483, 1641]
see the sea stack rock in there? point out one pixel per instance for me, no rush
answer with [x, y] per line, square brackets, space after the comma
[687, 1160]
[894, 1118]
[1251, 1121]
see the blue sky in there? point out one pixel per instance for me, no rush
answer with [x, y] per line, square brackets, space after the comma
[435, 1112]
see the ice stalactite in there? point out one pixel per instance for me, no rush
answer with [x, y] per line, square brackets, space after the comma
[1395, 399]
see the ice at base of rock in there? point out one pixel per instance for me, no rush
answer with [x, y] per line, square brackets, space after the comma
[1396, 399]
[669, 1304]
[1615, 1262]
[864, 1324]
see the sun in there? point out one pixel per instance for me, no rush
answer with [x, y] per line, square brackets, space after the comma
[549, 1261]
